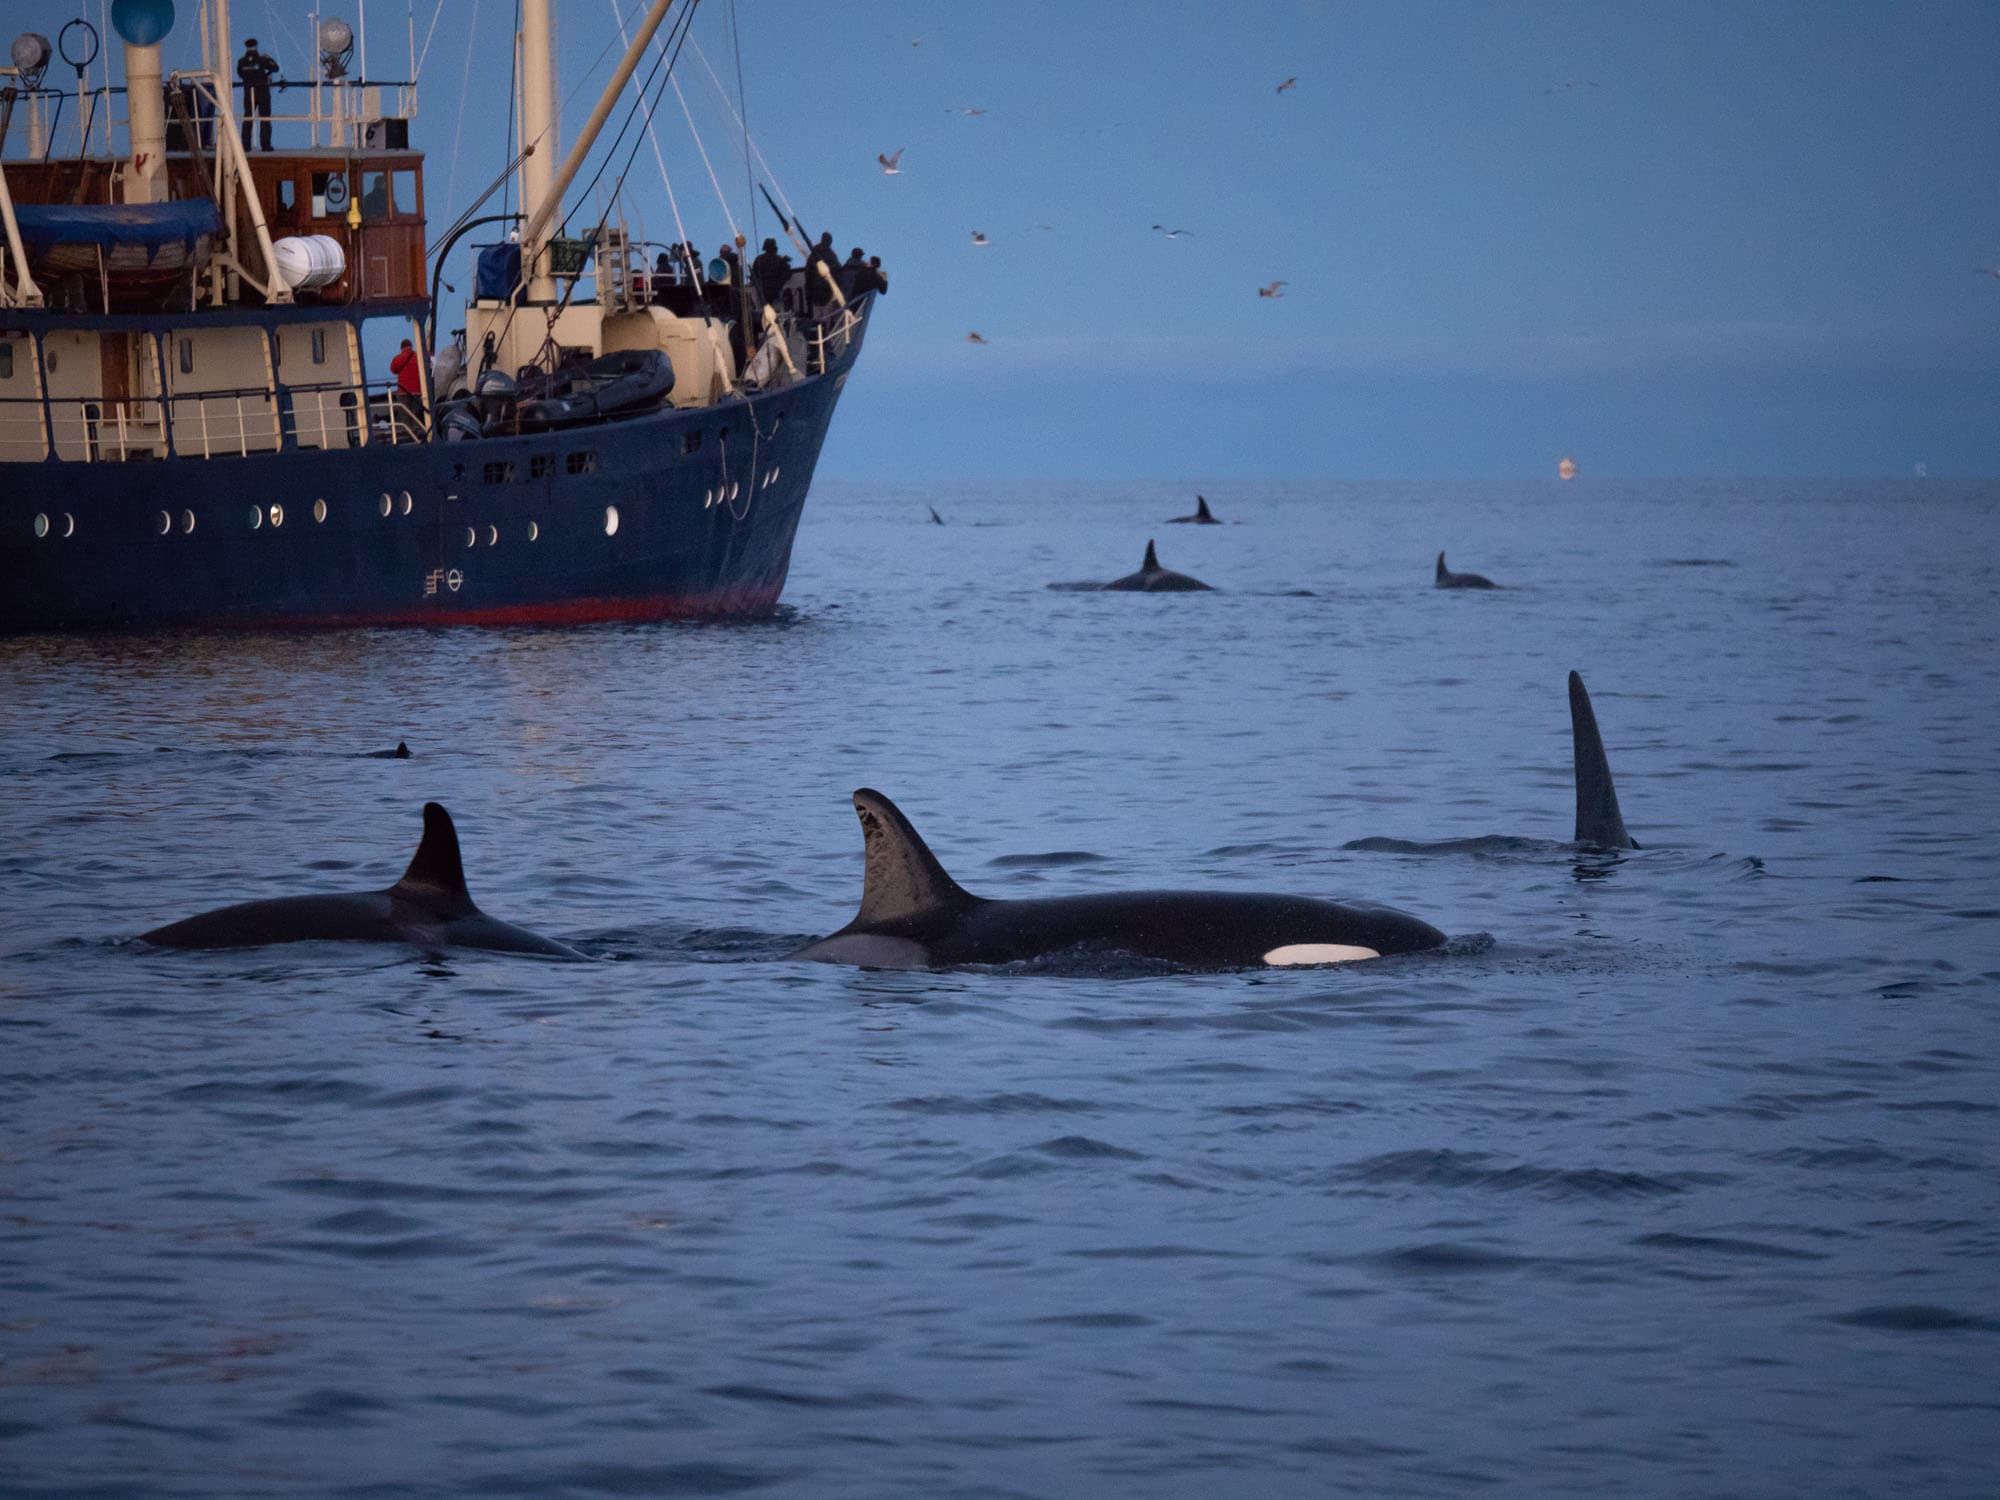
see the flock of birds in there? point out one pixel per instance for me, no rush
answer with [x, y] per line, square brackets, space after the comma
[891, 164]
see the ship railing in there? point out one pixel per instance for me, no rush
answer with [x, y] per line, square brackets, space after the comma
[24, 433]
[334, 414]
[831, 337]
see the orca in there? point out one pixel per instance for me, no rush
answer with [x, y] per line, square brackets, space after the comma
[428, 908]
[401, 752]
[915, 916]
[1599, 824]
[936, 519]
[1201, 517]
[1446, 579]
[1154, 579]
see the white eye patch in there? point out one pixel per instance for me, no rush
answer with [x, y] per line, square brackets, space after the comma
[1317, 953]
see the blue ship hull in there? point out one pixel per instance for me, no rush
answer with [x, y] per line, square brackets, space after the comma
[676, 514]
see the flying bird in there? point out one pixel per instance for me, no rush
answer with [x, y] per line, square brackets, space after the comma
[966, 109]
[1173, 234]
[979, 238]
[890, 163]
[1570, 85]
[1288, 83]
[1993, 271]
[1041, 226]
[1272, 289]
[975, 338]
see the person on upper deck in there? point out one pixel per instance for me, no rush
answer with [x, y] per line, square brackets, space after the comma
[879, 279]
[409, 384]
[819, 290]
[256, 70]
[770, 271]
[852, 273]
[728, 256]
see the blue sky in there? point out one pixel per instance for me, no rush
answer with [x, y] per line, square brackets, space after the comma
[1671, 239]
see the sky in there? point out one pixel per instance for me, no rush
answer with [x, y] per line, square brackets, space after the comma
[1668, 239]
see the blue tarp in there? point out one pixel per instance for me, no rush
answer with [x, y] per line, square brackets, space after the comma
[498, 277]
[150, 226]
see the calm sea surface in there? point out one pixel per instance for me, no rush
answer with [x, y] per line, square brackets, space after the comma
[1676, 1174]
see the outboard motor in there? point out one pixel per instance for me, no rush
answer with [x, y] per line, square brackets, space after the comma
[459, 423]
[495, 395]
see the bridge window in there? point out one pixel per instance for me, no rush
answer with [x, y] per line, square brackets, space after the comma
[374, 195]
[404, 192]
[499, 472]
[288, 194]
[583, 463]
[541, 465]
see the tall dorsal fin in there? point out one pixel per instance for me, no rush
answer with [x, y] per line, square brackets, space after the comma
[436, 874]
[1598, 821]
[1152, 562]
[1442, 570]
[1201, 508]
[900, 876]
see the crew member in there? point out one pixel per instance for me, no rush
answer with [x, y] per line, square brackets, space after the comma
[409, 384]
[819, 291]
[770, 271]
[256, 69]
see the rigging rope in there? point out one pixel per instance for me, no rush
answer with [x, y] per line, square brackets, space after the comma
[720, 196]
[723, 94]
[418, 71]
[464, 92]
[653, 135]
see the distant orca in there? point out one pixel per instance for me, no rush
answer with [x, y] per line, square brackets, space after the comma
[1201, 517]
[936, 519]
[915, 916]
[1599, 824]
[401, 752]
[1154, 579]
[1446, 579]
[429, 907]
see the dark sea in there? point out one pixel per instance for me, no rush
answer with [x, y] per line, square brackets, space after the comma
[1676, 1173]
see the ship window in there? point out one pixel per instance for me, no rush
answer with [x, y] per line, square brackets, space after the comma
[319, 511]
[404, 192]
[42, 525]
[541, 466]
[407, 502]
[256, 516]
[49, 359]
[534, 531]
[387, 504]
[319, 346]
[166, 523]
[493, 536]
[583, 463]
[691, 441]
[187, 356]
[471, 537]
[611, 520]
[6, 359]
[288, 194]
[187, 523]
[374, 195]
[498, 472]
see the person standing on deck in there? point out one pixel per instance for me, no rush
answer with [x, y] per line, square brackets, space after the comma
[819, 289]
[409, 384]
[256, 70]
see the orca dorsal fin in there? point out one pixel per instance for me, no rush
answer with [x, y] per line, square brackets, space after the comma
[901, 878]
[1152, 562]
[436, 874]
[1201, 508]
[1443, 570]
[1598, 821]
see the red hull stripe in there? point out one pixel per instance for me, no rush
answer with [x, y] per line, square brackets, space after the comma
[715, 604]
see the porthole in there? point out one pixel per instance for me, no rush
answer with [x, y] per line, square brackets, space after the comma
[41, 526]
[69, 524]
[707, 499]
[319, 511]
[776, 470]
[534, 531]
[165, 524]
[256, 516]
[386, 504]
[277, 515]
[187, 523]
[611, 520]
[735, 490]
[471, 537]
[407, 502]
[493, 536]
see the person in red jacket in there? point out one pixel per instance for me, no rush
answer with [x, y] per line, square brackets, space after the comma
[409, 384]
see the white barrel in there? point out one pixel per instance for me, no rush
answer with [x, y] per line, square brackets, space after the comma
[307, 262]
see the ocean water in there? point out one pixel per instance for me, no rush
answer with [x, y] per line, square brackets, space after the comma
[1674, 1174]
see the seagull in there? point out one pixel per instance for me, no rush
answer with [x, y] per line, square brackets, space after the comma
[979, 238]
[1288, 83]
[1993, 271]
[890, 162]
[1173, 234]
[918, 40]
[1272, 289]
[1572, 84]
[966, 109]
[975, 338]
[1041, 226]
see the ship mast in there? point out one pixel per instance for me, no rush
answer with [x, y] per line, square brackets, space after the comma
[541, 197]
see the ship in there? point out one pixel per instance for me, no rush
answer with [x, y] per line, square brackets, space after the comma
[190, 435]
